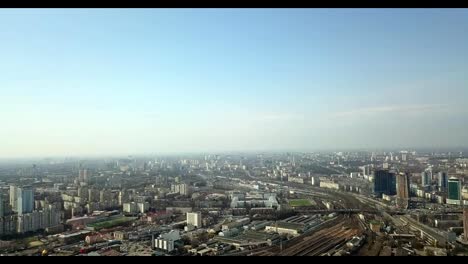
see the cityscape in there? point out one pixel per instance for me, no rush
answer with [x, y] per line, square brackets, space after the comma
[233, 132]
[238, 204]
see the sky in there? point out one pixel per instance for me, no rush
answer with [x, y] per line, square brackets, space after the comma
[134, 81]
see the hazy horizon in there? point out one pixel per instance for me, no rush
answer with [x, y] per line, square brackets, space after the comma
[111, 82]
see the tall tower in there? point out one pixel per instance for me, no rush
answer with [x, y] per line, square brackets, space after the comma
[442, 181]
[25, 200]
[465, 223]
[403, 190]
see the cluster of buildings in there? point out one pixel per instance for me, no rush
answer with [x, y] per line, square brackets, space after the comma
[19, 215]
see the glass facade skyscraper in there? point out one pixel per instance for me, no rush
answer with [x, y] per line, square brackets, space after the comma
[384, 183]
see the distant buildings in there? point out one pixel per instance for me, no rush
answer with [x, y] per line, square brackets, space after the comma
[329, 184]
[454, 191]
[194, 219]
[384, 183]
[183, 189]
[134, 208]
[83, 175]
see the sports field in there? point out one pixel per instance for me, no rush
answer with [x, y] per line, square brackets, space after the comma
[299, 202]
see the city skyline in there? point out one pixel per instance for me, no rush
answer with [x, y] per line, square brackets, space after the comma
[113, 82]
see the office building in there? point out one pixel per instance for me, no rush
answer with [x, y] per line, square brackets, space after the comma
[442, 181]
[403, 184]
[194, 219]
[384, 183]
[25, 200]
[454, 191]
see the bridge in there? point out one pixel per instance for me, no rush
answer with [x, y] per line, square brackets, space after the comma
[338, 211]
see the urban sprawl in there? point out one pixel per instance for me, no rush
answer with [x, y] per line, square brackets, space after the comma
[237, 204]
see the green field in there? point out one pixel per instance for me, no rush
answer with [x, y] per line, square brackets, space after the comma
[299, 202]
[111, 223]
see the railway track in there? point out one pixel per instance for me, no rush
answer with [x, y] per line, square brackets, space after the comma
[324, 246]
[306, 243]
[323, 240]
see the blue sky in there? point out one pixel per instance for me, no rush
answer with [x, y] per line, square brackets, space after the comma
[117, 81]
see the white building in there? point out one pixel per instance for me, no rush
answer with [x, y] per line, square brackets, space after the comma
[167, 241]
[329, 184]
[143, 207]
[130, 208]
[194, 219]
[183, 189]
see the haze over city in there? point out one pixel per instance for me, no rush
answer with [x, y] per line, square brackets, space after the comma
[114, 81]
[233, 132]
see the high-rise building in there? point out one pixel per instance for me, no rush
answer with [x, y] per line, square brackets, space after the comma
[442, 181]
[404, 157]
[83, 193]
[426, 178]
[465, 223]
[2, 205]
[14, 198]
[384, 183]
[93, 195]
[366, 170]
[25, 200]
[403, 184]
[194, 219]
[83, 175]
[454, 191]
